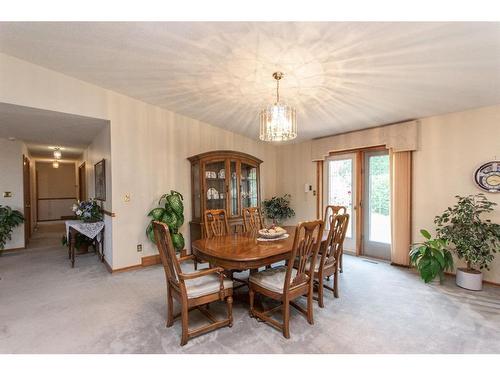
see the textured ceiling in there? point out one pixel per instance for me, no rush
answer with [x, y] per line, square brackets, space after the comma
[43, 130]
[341, 76]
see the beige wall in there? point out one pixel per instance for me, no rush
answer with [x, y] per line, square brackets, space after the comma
[11, 179]
[451, 147]
[149, 147]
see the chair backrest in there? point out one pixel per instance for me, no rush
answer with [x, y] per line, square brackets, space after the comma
[306, 243]
[216, 223]
[332, 210]
[335, 240]
[167, 252]
[252, 219]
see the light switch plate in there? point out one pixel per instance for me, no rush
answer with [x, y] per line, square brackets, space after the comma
[126, 198]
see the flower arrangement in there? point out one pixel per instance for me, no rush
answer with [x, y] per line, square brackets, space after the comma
[88, 211]
[278, 208]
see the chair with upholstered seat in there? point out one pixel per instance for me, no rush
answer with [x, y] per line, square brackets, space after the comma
[327, 262]
[330, 212]
[286, 283]
[252, 219]
[193, 290]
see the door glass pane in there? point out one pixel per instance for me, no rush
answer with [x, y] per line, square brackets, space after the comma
[248, 186]
[215, 183]
[379, 199]
[234, 189]
[340, 186]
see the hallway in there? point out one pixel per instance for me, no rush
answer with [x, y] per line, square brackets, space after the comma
[46, 235]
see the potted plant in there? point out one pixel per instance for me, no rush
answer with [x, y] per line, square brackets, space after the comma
[82, 242]
[474, 240]
[431, 257]
[170, 212]
[88, 211]
[278, 209]
[9, 219]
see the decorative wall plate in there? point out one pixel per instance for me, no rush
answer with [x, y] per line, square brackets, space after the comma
[487, 176]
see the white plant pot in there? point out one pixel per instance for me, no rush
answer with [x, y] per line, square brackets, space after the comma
[469, 279]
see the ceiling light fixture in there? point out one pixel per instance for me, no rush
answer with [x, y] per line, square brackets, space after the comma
[57, 153]
[278, 121]
[55, 164]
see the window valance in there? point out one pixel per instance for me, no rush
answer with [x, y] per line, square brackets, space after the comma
[397, 137]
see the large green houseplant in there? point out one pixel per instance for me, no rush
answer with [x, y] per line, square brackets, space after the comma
[278, 209]
[431, 257]
[9, 219]
[170, 212]
[474, 239]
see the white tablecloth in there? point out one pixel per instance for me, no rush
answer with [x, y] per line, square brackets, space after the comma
[91, 230]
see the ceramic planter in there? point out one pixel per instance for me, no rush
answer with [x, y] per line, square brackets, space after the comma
[469, 279]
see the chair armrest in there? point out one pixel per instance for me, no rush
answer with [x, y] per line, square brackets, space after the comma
[187, 257]
[207, 271]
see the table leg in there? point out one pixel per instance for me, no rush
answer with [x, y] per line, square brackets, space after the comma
[72, 246]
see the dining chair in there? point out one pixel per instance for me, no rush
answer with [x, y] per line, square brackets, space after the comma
[327, 262]
[216, 223]
[287, 283]
[335, 210]
[252, 219]
[194, 290]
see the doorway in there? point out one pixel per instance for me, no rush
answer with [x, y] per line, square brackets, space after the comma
[360, 181]
[27, 199]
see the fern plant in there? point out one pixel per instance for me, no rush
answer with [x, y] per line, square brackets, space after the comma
[278, 208]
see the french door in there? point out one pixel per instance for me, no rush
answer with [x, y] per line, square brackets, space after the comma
[340, 190]
[377, 205]
[360, 181]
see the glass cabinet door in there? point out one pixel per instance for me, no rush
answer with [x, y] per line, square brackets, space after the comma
[248, 189]
[233, 187]
[215, 185]
[195, 172]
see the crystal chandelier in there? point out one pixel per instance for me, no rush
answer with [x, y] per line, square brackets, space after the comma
[57, 153]
[278, 121]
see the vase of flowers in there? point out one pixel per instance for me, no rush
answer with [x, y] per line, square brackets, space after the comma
[88, 211]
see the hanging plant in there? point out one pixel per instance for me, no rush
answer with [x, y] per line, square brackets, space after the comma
[170, 212]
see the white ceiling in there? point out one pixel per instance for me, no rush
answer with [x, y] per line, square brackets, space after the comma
[43, 130]
[341, 76]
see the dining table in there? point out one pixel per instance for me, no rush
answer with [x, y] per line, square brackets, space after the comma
[243, 251]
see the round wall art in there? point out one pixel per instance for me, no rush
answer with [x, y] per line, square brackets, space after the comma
[487, 176]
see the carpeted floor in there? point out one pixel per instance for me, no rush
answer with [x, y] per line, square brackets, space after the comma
[47, 307]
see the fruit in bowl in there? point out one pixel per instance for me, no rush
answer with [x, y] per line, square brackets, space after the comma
[272, 232]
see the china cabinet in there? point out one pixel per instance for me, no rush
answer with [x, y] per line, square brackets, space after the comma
[227, 180]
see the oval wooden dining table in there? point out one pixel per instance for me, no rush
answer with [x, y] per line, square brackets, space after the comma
[242, 251]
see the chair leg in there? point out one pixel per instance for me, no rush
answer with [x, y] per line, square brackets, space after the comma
[251, 296]
[195, 263]
[341, 261]
[170, 308]
[336, 284]
[310, 318]
[320, 292]
[286, 319]
[185, 324]
[229, 302]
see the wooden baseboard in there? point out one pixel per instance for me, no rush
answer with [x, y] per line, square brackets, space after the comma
[150, 260]
[146, 261]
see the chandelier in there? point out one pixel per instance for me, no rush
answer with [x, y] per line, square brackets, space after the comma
[278, 121]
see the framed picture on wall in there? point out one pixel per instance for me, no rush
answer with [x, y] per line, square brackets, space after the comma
[100, 180]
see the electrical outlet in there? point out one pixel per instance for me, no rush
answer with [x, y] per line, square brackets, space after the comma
[7, 194]
[126, 197]
[139, 248]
